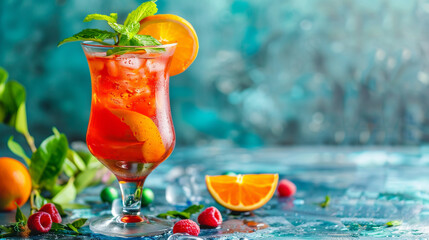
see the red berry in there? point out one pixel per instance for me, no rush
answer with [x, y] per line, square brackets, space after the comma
[286, 188]
[186, 226]
[53, 211]
[210, 217]
[40, 222]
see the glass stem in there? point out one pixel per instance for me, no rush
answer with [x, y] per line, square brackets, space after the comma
[131, 197]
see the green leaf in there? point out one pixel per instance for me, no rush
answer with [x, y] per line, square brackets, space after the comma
[114, 16]
[47, 161]
[88, 158]
[19, 216]
[146, 40]
[122, 50]
[4, 75]
[17, 150]
[79, 222]
[95, 35]
[325, 203]
[67, 194]
[57, 227]
[39, 201]
[76, 159]
[12, 104]
[96, 16]
[186, 214]
[70, 226]
[119, 28]
[175, 214]
[394, 223]
[75, 206]
[84, 179]
[7, 229]
[194, 209]
[144, 10]
[69, 168]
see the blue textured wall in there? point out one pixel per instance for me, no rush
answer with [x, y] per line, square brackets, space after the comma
[268, 72]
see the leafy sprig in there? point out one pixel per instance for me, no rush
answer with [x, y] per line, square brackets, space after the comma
[51, 159]
[20, 226]
[325, 203]
[125, 34]
[185, 214]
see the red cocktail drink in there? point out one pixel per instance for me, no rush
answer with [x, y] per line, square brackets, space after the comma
[130, 128]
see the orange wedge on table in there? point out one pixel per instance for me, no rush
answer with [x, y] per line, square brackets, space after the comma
[242, 192]
[169, 28]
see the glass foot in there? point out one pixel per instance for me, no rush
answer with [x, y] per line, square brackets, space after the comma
[114, 227]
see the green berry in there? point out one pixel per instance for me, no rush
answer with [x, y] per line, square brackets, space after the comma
[108, 194]
[147, 197]
[230, 173]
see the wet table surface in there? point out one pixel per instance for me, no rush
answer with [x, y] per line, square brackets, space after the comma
[368, 187]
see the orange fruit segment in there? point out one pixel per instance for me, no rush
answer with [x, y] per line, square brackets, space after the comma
[144, 130]
[15, 184]
[169, 28]
[243, 192]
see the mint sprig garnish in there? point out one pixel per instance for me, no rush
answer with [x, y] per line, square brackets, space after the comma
[124, 34]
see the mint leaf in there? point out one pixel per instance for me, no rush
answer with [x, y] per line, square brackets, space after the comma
[114, 16]
[47, 161]
[122, 50]
[70, 226]
[119, 28]
[79, 222]
[325, 203]
[394, 223]
[17, 149]
[57, 227]
[95, 35]
[19, 216]
[174, 214]
[144, 40]
[144, 10]
[194, 209]
[186, 214]
[96, 16]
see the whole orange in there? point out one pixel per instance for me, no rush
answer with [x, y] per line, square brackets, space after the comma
[15, 184]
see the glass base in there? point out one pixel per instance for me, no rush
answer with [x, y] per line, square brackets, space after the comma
[114, 227]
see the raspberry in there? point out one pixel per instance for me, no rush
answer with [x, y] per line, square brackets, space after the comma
[40, 222]
[186, 226]
[286, 188]
[51, 210]
[210, 217]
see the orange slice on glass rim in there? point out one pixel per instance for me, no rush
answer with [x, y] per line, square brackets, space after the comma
[243, 192]
[169, 28]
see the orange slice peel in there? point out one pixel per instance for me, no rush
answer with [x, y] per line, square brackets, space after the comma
[169, 28]
[243, 192]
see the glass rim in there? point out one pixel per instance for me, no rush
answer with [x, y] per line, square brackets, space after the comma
[99, 45]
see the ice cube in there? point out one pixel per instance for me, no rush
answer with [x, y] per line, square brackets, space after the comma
[183, 236]
[155, 65]
[130, 62]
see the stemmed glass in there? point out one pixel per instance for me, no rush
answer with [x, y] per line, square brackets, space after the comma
[130, 129]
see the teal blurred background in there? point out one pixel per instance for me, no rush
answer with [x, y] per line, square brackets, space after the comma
[280, 72]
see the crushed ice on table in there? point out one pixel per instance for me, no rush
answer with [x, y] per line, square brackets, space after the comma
[186, 186]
